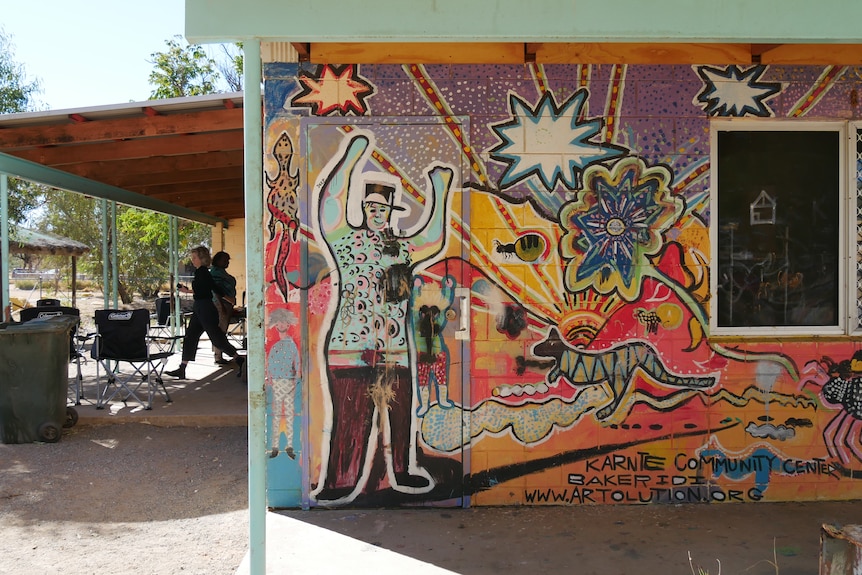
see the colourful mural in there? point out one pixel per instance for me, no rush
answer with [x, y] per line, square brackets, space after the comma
[489, 285]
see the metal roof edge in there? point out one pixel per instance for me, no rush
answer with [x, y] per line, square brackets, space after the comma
[59, 179]
[208, 101]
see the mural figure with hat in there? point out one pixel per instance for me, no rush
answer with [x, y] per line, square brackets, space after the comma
[365, 349]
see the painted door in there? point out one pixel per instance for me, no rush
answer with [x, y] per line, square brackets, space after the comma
[386, 312]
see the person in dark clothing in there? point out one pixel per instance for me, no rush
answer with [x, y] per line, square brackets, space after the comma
[204, 314]
[224, 302]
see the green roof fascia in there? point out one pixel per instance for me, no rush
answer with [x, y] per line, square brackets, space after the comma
[655, 21]
[59, 179]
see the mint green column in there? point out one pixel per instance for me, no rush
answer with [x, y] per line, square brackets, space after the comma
[4, 245]
[106, 295]
[174, 273]
[115, 273]
[253, 127]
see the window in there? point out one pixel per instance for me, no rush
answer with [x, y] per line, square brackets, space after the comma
[777, 226]
[857, 223]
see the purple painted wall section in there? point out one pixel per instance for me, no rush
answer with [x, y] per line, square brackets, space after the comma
[491, 285]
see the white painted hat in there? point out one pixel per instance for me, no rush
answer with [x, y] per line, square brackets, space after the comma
[376, 193]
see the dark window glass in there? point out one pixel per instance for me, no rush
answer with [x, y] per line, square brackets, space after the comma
[778, 228]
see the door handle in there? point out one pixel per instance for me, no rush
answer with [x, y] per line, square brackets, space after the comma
[463, 331]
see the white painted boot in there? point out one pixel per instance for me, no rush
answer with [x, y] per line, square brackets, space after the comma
[443, 396]
[424, 401]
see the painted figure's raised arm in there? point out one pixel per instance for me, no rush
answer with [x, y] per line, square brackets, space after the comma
[332, 209]
[429, 241]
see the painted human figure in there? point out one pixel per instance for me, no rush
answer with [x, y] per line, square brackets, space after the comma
[428, 317]
[365, 351]
[282, 370]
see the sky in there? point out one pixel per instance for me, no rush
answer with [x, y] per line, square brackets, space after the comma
[90, 52]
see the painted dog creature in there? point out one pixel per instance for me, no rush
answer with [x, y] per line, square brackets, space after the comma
[616, 367]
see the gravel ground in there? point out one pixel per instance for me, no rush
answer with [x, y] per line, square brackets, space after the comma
[125, 499]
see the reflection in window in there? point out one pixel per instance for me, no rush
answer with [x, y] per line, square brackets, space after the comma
[778, 228]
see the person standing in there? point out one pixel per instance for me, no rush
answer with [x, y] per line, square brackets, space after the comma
[204, 314]
[224, 303]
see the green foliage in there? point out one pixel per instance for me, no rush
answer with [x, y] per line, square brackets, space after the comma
[143, 260]
[24, 197]
[183, 70]
[143, 239]
[16, 95]
[79, 218]
[143, 252]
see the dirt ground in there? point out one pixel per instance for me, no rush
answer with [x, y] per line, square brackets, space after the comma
[746, 538]
[125, 499]
[144, 500]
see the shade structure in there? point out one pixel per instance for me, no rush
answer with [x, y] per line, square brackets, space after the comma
[26, 241]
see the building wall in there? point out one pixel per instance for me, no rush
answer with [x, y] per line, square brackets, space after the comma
[232, 240]
[530, 324]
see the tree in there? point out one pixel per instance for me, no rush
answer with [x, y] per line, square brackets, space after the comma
[16, 95]
[143, 255]
[231, 66]
[184, 70]
[142, 240]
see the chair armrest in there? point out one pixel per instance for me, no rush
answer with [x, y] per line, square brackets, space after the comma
[163, 337]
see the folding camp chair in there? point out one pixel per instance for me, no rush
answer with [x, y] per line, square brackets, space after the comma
[162, 328]
[123, 338]
[163, 313]
[76, 342]
[236, 329]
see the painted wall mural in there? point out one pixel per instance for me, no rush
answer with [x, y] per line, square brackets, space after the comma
[489, 285]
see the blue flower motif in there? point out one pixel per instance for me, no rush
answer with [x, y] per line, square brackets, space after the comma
[616, 222]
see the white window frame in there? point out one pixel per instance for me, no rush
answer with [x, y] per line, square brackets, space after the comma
[853, 317]
[847, 322]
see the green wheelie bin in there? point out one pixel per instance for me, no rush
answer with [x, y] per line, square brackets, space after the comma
[34, 378]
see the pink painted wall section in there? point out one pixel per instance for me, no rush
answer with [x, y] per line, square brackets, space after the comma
[490, 285]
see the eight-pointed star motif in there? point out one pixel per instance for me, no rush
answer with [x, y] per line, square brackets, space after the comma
[731, 91]
[334, 88]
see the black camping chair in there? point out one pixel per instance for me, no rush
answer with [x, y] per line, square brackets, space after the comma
[77, 342]
[236, 330]
[123, 337]
[162, 324]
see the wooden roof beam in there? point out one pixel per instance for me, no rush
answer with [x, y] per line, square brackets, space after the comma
[417, 53]
[121, 129]
[190, 177]
[131, 149]
[584, 53]
[637, 53]
[161, 164]
[303, 50]
[815, 54]
[168, 192]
